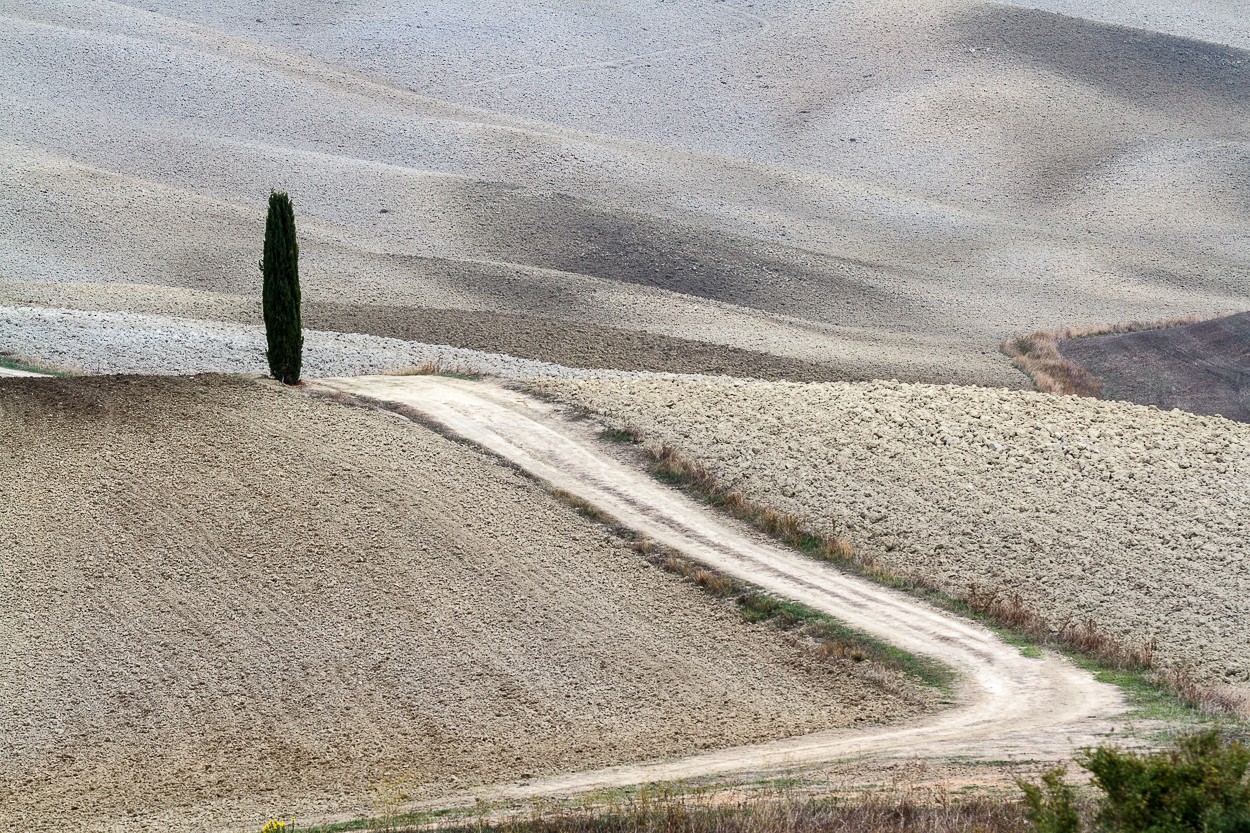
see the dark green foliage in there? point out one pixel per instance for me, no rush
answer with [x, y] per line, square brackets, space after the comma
[280, 268]
[1051, 806]
[1200, 785]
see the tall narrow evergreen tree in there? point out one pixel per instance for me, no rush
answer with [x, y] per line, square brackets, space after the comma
[281, 291]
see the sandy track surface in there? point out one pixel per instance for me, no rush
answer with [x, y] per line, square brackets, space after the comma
[892, 187]
[1008, 703]
[1126, 515]
[222, 601]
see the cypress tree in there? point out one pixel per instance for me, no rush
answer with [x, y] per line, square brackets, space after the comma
[280, 268]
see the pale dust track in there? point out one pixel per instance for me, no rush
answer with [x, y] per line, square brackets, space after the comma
[1007, 705]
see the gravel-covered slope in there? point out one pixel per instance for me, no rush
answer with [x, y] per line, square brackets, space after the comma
[1136, 518]
[221, 602]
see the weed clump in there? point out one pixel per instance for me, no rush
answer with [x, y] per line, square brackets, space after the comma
[1037, 355]
[438, 369]
[1198, 786]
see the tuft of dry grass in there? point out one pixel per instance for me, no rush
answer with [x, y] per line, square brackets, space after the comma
[437, 369]
[667, 813]
[1206, 698]
[1011, 611]
[1039, 356]
[670, 464]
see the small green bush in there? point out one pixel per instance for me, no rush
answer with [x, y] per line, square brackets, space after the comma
[1051, 806]
[1198, 786]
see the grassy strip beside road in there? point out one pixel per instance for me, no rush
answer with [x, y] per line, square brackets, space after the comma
[1200, 784]
[1155, 693]
[670, 809]
[824, 635]
[10, 363]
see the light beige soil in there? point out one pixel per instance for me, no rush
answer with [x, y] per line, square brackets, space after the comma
[1135, 518]
[1006, 705]
[529, 336]
[223, 601]
[892, 187]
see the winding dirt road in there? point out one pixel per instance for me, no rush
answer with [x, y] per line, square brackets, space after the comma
[1007, 704]
[9, 371]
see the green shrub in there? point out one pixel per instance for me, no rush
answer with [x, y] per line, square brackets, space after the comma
[1051, 806]
[1198, 786]
[281, 296]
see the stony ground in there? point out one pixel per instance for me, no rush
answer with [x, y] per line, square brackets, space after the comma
[224, 601]
[1135, 518]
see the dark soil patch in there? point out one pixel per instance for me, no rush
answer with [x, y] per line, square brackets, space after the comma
[572, 234]
[570, 343]
[1203, 368]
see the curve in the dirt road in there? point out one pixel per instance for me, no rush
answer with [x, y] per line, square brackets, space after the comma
[9, 371]
[1007, 704]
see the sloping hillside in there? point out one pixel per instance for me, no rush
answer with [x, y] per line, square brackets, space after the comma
[890, 188]
[1129, 517]
[1203, 368]
[222, 600]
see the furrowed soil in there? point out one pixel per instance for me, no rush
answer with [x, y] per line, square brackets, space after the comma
[1131, 518]
[1203, 368]
[222, 601]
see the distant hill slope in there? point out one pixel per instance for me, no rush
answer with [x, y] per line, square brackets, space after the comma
[887, 188]
[221, 601]
[1203, 368]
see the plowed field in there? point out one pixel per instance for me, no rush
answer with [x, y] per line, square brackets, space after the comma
[1135, 519]
[221, 601]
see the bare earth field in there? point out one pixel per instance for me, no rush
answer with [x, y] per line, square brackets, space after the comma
[1203, 368]
[888, 189]
[1126, 515]
[223, 601]
[533, 337]
[220, 601]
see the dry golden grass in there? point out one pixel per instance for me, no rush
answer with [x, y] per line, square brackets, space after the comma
[669, 463]
[437, 369]
[1039, 356]
[660, 810]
